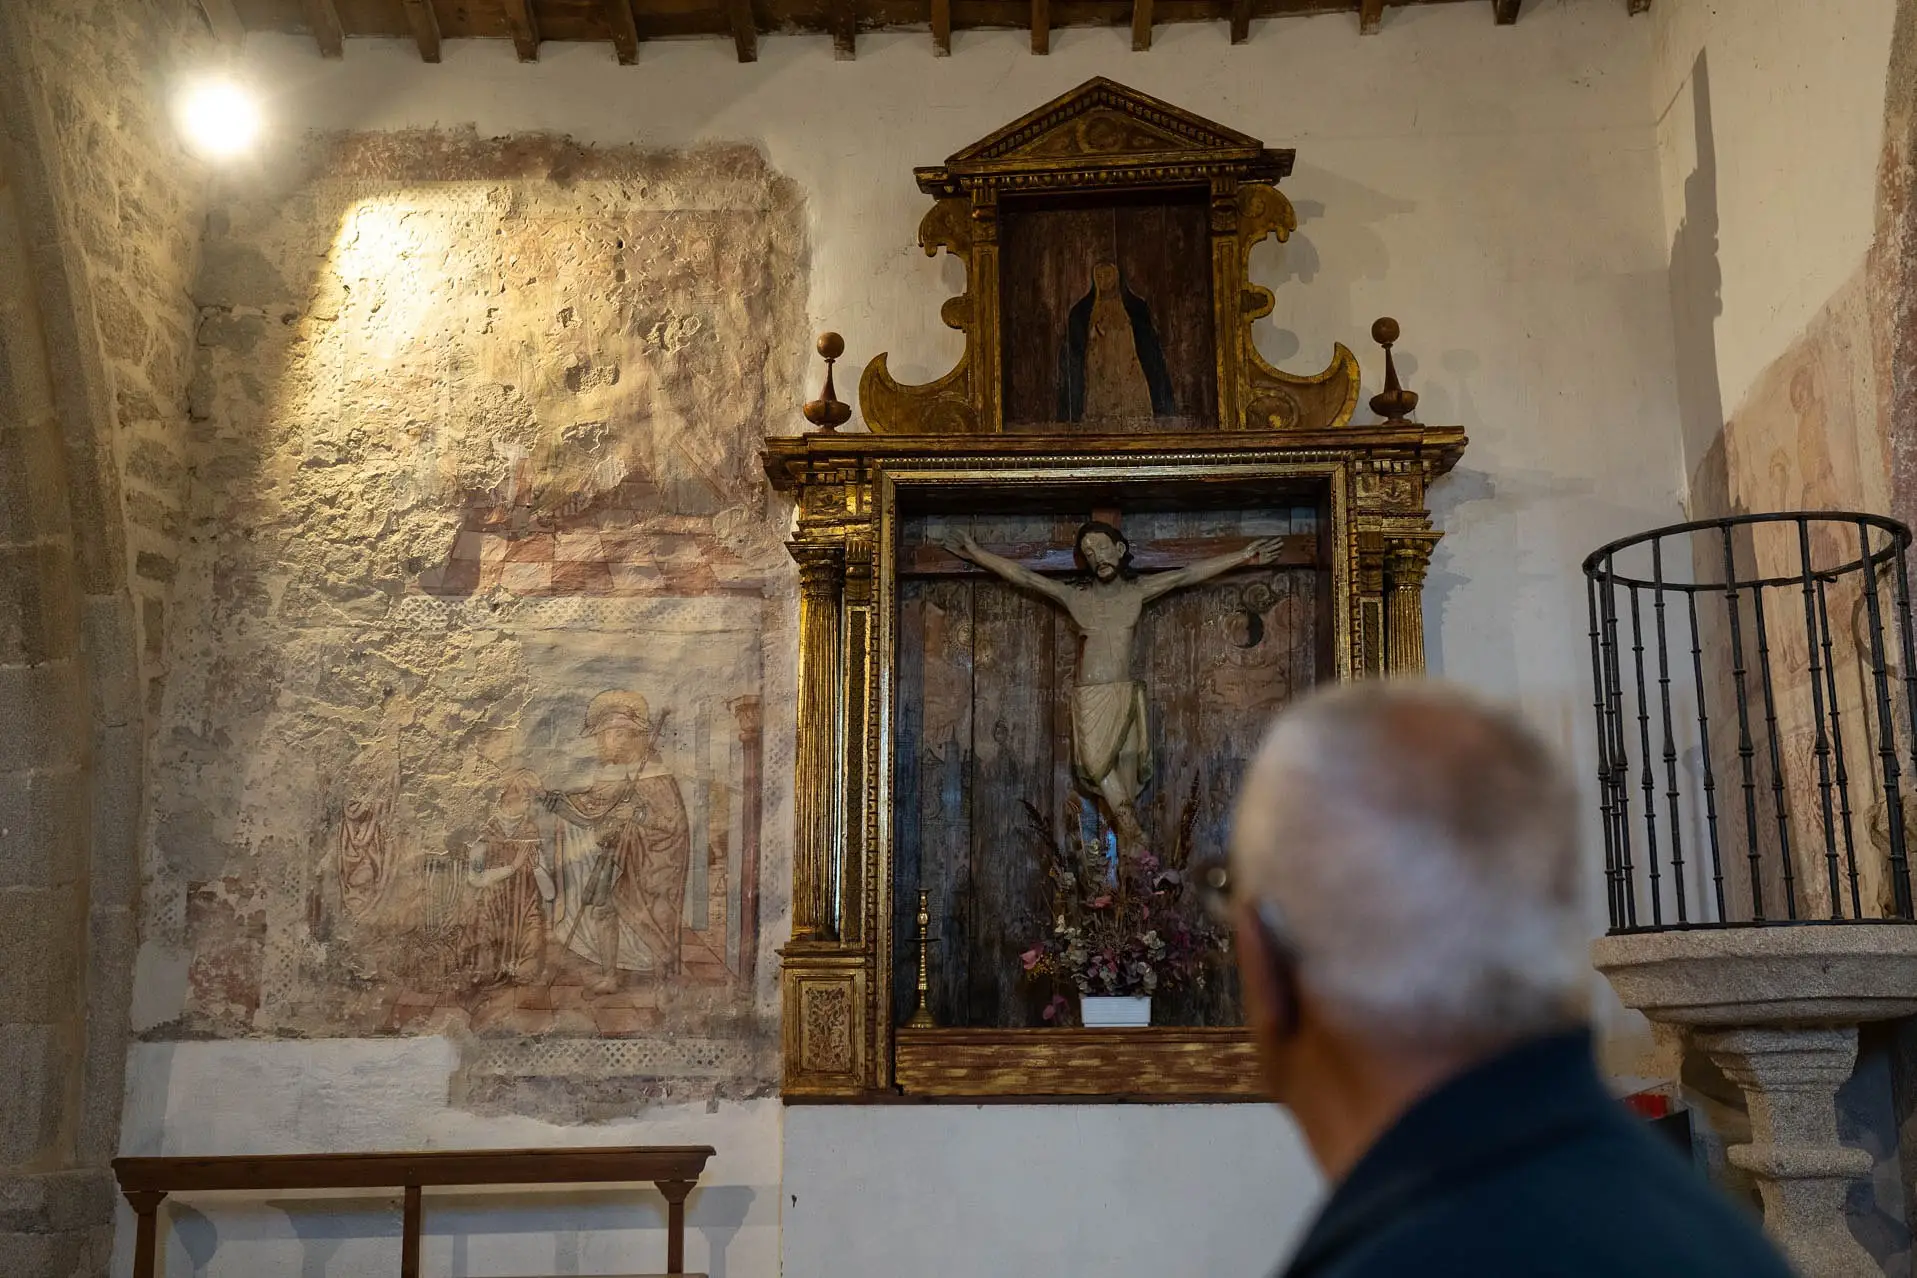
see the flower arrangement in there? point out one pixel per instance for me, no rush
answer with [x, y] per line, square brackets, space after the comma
[1120, 925]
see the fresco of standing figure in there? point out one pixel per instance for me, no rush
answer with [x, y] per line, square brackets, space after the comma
[625, 856]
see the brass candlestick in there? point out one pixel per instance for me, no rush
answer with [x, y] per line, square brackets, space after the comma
[922, 1014]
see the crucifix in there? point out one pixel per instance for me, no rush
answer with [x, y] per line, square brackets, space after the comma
[1111, 739]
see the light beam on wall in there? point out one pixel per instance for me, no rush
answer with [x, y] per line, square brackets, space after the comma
[219, 118]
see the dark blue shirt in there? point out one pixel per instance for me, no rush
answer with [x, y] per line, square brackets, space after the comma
[1526, 1165]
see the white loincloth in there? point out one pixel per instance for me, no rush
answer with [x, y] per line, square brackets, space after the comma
[1108, 723]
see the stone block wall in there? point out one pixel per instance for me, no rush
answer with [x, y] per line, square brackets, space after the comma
[99, 213]
[107, 71]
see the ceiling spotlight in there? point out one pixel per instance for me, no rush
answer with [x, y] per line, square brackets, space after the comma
[219, 118]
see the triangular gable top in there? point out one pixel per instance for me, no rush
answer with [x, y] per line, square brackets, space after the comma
[1103, 122]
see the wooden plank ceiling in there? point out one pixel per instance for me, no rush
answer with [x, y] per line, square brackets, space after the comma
[626, 24]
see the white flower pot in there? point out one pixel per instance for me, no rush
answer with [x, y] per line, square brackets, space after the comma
[1115, 1013]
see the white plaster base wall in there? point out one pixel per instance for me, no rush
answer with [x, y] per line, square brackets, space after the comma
[1013, 1191]
[944, 1191]
[374, 1094]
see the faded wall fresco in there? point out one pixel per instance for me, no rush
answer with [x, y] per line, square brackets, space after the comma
[1810, 435]
[483, 600]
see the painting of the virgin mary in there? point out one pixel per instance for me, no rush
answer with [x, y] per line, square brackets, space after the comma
[1111, 365]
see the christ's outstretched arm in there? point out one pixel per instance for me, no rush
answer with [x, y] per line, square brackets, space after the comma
[1262, 551]
[962, 545]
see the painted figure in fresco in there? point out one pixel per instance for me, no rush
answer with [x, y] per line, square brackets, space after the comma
[363, 861]
[1111, 741]
[627, 894]
[506, 916]
[1112, 366]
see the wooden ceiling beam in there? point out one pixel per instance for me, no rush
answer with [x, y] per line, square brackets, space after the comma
[745, 29]
[941, 28]
[525, 28]
[625, 25]
[224, 19]
[322, 19]
[425, 28]
[625, 30]
[845, 29]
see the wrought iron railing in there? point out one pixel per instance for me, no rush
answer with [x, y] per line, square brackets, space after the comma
[1755, 683]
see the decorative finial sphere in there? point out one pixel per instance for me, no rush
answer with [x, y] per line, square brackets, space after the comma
[1394, 403]
[828, 412]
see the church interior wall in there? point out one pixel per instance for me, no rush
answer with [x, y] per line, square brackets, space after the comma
[454, 307]
[1772, 207]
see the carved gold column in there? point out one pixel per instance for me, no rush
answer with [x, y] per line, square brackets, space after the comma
[1405, 559]
[815, 843]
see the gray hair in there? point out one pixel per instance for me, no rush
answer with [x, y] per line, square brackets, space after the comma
[1421, 848]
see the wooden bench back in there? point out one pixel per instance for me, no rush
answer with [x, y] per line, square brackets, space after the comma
[672, 1169]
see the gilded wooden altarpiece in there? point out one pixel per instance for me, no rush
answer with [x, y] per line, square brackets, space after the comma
[1253, 437]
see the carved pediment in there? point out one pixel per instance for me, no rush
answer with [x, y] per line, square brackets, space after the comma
[1188, 201]
[1104, 122]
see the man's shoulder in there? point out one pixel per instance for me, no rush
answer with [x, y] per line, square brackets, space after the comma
[1608, 1205]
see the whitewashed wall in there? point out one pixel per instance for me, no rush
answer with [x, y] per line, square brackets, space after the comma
[1770, 128]
[1496, 189]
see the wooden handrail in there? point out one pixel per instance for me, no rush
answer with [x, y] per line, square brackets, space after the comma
[672, 1169]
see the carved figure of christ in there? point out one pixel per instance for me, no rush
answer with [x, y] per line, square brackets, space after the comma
[1111, 739]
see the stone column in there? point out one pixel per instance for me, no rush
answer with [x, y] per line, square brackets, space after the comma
[815, 859]
[1790, 1078]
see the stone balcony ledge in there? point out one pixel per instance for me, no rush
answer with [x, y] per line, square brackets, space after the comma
[1798, 974]
[1777, 1008]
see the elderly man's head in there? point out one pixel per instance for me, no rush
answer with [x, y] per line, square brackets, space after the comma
[1405, 875]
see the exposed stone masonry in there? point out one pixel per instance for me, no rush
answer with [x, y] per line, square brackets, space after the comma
[474, 427]
[99, 221]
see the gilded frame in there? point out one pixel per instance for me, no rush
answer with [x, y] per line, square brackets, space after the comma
[839, 1040]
